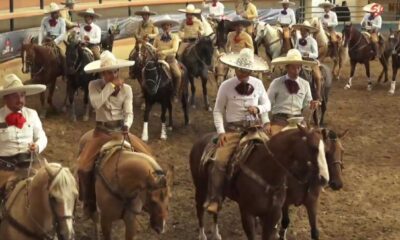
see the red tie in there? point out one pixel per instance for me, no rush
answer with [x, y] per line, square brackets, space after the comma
[15, 119]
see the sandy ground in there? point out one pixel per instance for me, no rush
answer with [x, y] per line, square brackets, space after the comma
[366, 208]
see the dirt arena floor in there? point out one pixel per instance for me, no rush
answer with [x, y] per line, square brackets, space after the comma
[366, 208]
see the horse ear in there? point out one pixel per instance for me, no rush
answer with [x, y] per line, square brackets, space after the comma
[343, 134]
[302, 129]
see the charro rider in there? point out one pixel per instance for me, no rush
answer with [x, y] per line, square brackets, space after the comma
[289, 94]
[286, 19]
[248, 11]
[239, 100]
[21, 131]
[329, 21]
[146, 31]
[372, 23]
[53, 27]
[191, 28]
[112, 100]
[308, 48]
[238, 39]
[215, 9]
[167, 44]
[90, 33]
[66, 13]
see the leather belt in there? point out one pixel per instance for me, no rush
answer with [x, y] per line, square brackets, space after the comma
[8, 163]
[240, 126]
[110, 125]
[284, 116]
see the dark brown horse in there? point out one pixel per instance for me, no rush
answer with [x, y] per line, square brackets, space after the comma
[260, 185]
[360, 51]
[307, 194]
[394, 44]
[44, 66]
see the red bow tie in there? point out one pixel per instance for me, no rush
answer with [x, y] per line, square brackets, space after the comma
[52, 22]
[292, 86]
[87, 28]
[189, 22]
[237, 38]
[15, 119]
[214, 4]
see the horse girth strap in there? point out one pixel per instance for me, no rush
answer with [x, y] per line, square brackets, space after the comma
[267, 187]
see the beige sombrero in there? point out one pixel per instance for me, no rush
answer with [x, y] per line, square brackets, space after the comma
[293, 57]
[326, 4]
[145, 11]
[69, 2]
[89, 12]
[245, 60]
[12, 84]
[107, 62]
[166, 19]
[305, 25]
[191, 9]
[373, 8]
[287, 2]
[239, 20]
[54, 7]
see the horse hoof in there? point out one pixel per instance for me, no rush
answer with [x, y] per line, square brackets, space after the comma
[348, 86]
[143, 107]
[391, 93]
[193, 106]
[73, 118]
[209, 109]
[169, 128]
[369, 87]
[85, 118]
[163, 137]
[145, 138]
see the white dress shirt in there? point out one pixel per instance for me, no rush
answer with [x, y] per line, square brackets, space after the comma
[311, 47]
[234, 106]
[58, 30]
[111, 108]
[374, 24]
[94, 34]
[14, 140]
[288, 19]
[331, 21]
[217, 11]
[284, 102]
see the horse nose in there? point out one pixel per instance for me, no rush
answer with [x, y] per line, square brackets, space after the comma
[336, 185]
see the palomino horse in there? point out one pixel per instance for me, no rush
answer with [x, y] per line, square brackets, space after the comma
[337, 53]
[44, 66]
[77, 57]
[197, 60]
[128, 182]
[307, 194]
[270, 38]
[259, 186]
[41, 207]
[360, 51]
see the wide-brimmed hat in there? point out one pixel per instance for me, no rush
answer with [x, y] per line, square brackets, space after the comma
[239, 20]
[305, 25]
[54, 7]
[373, 8]
[287, 2]
[69, 2]
[89, 12]
[11, 83]
[190, 8]
[165, 19]
[145, 11]
[107, 62]
[293, 56]
[245, 60]
[326, 4]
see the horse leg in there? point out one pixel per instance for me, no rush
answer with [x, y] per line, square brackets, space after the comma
[145, 133]
[106, 225]
[130, 226]
[353, 68]
[204, 80]
[367, 70]
[50, 96]
[185, 107]
[193, 88]
[393, 83]
[284, 222]
[170, 117]
[43, 111]
[200, 199]
[248, 224]
[270, 223]
[86, 116]
[311, 206]
[163, 120]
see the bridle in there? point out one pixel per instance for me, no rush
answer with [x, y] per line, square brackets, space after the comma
[340, 160]
[351, 33]
[29, 62]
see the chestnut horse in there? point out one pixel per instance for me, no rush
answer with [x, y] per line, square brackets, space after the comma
[44, 67]
[307, 194]
[41, 207]
[259, 187]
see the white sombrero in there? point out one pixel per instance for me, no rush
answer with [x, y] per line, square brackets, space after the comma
[293, 57]
[190, 8]
[89, 12]
[145, 11]
[305, 25]
[107, 62]
[12, 84]
[326, 4]
[54, 7]
[373, 8]
[245, 60]
[287, 2]
[166, 19]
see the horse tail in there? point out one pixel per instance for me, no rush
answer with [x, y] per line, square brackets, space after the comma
[343, 54]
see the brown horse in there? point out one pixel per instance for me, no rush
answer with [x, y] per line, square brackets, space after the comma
[126, 183]
[44, 67]
[307, 194]
[259, 187]
[42, 207]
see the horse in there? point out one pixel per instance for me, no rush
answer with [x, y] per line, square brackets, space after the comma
[41, 207]
[107, 38]
[390, 48]
[360, 51]
[197, 59]
[307, 194]
[44, 66]
[221, 31]
[126, 183]
[259, 186]
[77, 57]
[394, 44]
[270, 38]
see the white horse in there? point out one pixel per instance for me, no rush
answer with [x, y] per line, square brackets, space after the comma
[270, 38]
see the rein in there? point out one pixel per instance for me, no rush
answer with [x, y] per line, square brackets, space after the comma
[358, 41]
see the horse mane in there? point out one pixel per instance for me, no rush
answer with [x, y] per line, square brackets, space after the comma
[271, 31]
[63, 182]
[320, 35]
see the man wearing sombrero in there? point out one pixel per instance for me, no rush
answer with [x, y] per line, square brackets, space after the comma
[21, 131]
[308, 48]
[239, 101]
[66, 13]
[112, 99]
[329, 21]
[215, 9]
[239, 39]
[248, 11]
[372, 23]
[286, 18]
[90, 33]
[146, 30]
[191, 28]
[289, 94]
[53, 27]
